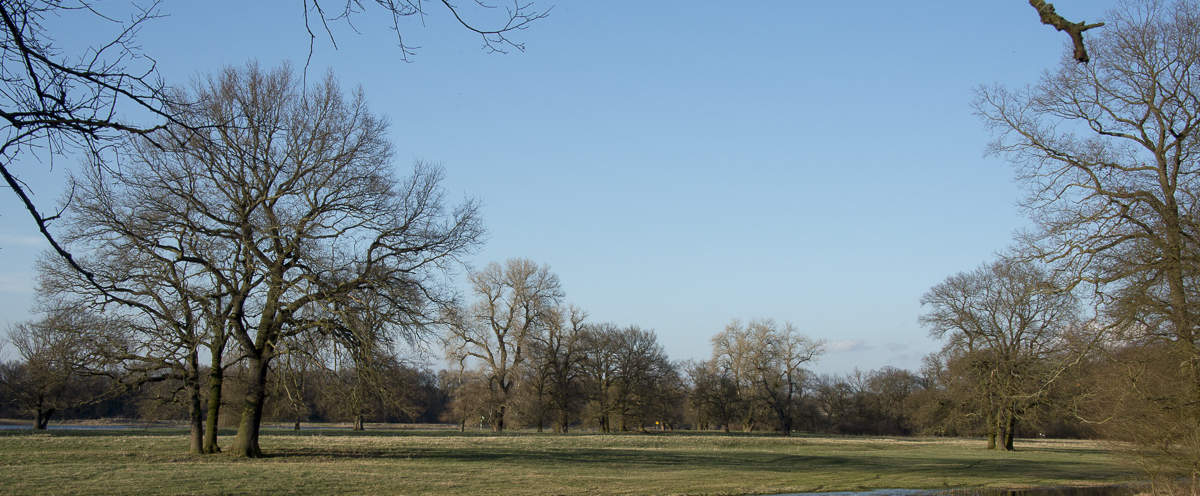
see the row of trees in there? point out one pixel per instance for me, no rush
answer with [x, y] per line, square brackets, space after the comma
[525, 358]
[621, 381]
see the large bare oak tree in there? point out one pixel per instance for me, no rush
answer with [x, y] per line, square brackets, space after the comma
[1110, 154]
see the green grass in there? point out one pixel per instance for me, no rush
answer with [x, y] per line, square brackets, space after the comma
[442, 462]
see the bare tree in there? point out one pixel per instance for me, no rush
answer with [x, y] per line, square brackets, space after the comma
[60, 103]
[644, 377]
[362, 354]
[550, 384]
[560, 352]
[297, 190]
[1109, 151]
[51, 377]
[771, 359]
[732, 349]
[601, 371]
[712, 395]
[132, 236]
[515, 303]
[1009, 320]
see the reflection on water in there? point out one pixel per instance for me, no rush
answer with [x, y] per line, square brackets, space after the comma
[877, 492]
[1122, 490]
[71, 427]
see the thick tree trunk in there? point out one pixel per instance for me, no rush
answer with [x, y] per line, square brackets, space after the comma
[748, 420]
[541, 406]
[195, 417]
[564, 421]
[1180, 314]
[1010, 431]
[196, 429]
[216, 379]
[296, 426]
[42, 418]
[498, 419]
[246, 442]
[358, 423]
[991, 428]
[195, 405]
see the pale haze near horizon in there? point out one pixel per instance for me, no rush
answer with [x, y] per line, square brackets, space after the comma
[677, 165]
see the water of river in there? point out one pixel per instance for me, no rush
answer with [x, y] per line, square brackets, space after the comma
[72, 427]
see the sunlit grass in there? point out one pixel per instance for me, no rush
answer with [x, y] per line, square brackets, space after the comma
[442, 462]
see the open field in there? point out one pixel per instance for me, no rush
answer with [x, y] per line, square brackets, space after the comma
[154, 461]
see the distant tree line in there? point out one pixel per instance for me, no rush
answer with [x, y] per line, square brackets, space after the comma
[524, 359]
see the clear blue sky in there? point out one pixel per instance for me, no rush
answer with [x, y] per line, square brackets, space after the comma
[680, 164]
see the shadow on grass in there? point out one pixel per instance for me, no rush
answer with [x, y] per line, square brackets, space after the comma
[720, 459]
[609, 453]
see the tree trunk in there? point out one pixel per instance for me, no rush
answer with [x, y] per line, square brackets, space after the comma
[498, 419]
[1010, 431]
[541, 406]
[42, 418]
[246, 442]
[195, 404]
[195, 417]
[358, 422]
[216, 378]
[564, 421]
[991, 428]
[296, 426]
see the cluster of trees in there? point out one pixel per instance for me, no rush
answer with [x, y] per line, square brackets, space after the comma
[247, 219]
[266, 225]
[594, 376]
[1109, 152]
[526, 359]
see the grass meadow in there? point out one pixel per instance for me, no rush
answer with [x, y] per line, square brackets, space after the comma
[406, 461]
